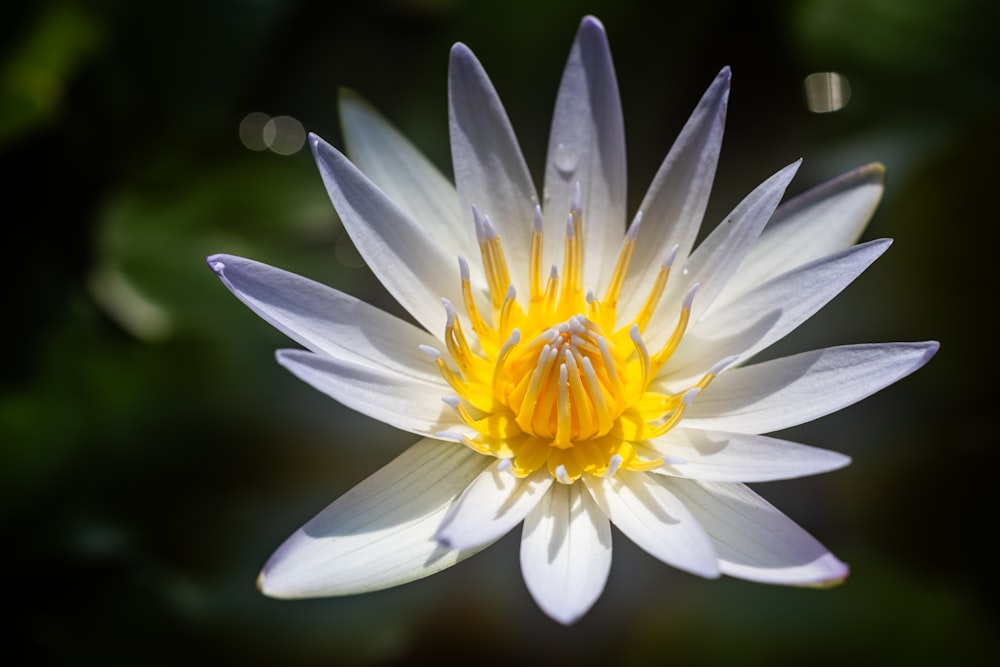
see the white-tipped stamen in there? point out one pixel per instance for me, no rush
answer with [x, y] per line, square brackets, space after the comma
[489, 230]
[449, 312]
[514, 339]
[563, 435]
[431, 352]
[561, 474]
[451, 401]
[576, 203]
[503, 465]
[671, 256]
[689, 297]
[613, 465]
[690, 395]
[480, 223]
[640, 347]
[722, 364]
[609, 364]
[633, 230]
[597, 396]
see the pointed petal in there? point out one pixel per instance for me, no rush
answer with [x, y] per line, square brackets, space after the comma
[326, 320]
[821, 221]
[785, 392]
[587, 146]
[674, 205]
[398, 400]
[566, 552]
[404, 257]
[757, 542]
[716, 259]
[490, 171]
[767, 313]
[491, 506]
[408, 178]
[381, 532]
[739, 457]
[655, 519]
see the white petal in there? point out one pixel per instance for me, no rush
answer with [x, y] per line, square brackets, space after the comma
[411, 264]
[490, 171]
[495, 502]
[716, 259]
[738, 457]
[587, 146]
[766, 314]
[404, 174]
[326, 320]
[785, 392]
[674, 205]
[821, 221]
[566, 552]
[398, 400]
[757, 542]
[655, 519]
[381, 532]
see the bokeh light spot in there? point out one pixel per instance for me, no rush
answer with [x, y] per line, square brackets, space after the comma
[826, 91]
[283, 135]
[252, 130]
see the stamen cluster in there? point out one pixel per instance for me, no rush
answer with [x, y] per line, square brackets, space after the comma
[556, 384]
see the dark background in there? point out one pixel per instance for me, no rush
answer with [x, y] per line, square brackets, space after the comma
[152, 454]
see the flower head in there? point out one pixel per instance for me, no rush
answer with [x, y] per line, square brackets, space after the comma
[571, 374]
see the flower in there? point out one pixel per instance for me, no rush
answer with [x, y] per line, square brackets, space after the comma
[613, 387]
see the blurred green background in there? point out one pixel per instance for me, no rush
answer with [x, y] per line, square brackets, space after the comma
[153, 455]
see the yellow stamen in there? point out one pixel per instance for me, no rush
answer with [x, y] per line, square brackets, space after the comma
[575, 396]
[621, 268]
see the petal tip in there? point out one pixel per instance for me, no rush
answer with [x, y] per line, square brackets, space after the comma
[217, 263]
[836, 574]
[591, 22]
[260, 582]
[461, 53]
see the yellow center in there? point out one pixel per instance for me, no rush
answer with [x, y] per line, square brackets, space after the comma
[560, 383]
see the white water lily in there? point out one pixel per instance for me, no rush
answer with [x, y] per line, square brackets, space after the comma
[577, 374]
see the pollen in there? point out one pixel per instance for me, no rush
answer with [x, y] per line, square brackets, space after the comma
[553, 379]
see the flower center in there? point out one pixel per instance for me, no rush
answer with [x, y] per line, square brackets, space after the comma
[566, 385]
[553, 382]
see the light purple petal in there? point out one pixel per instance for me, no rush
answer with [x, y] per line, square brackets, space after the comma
[325, 320]
[716, 259]
[411, 264]
[767, 313]
[655, 519]
[817, 223]
[587, 146]
[566, 552]
[755, 541]
[398, 400]
[673, 207]
[785, 392]
[490, 171]
[738, 457]
[402, 172]
[491, 506]
[381, 532]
